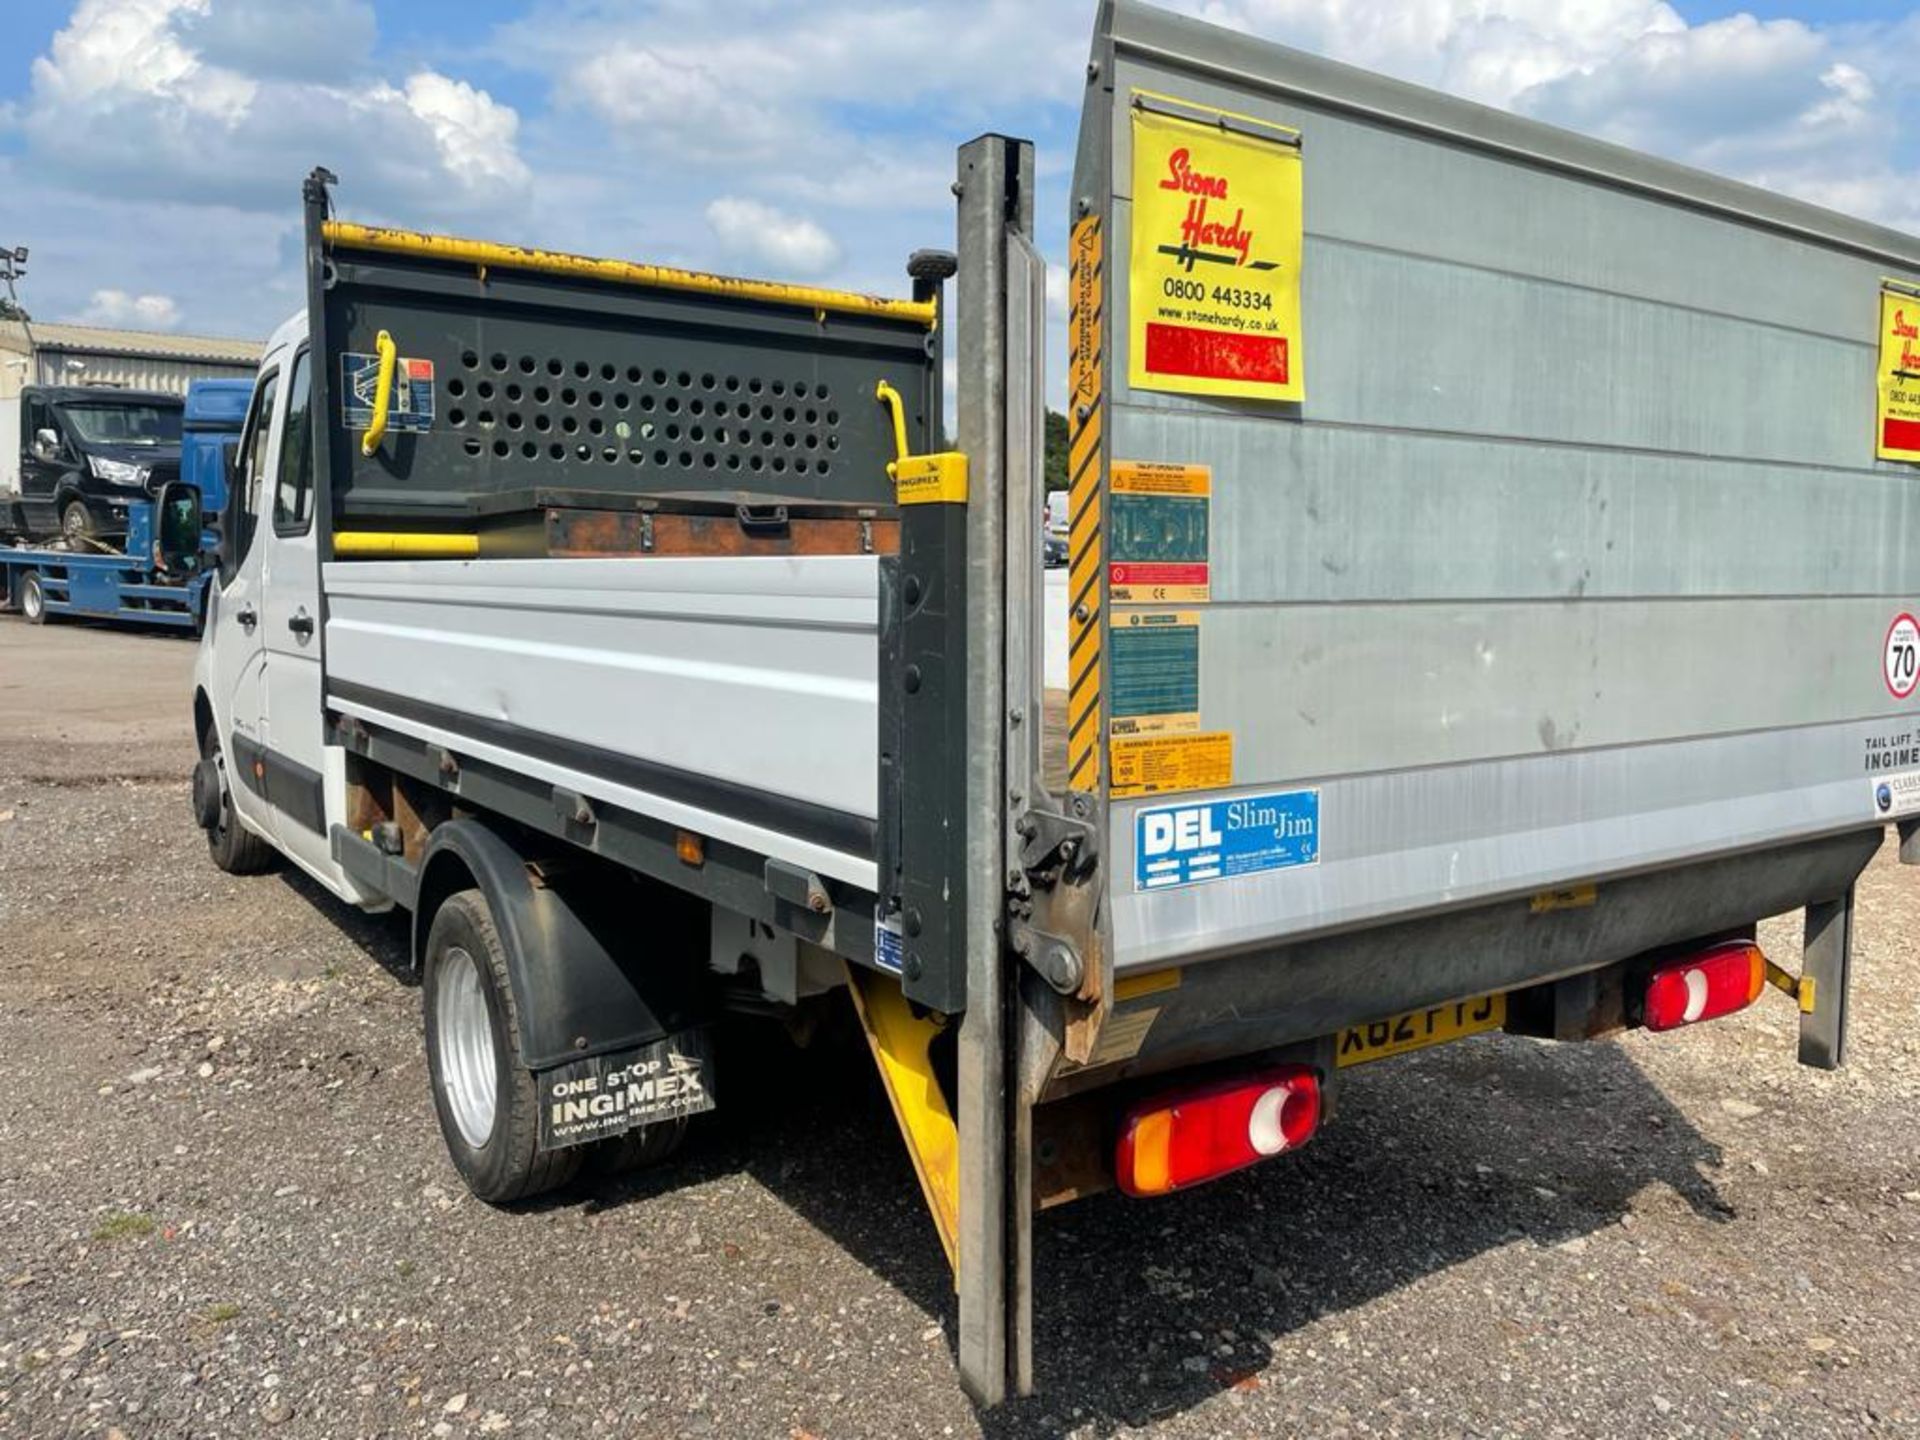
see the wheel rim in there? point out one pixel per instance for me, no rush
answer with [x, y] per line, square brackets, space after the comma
[74, 522]
[464, 1033]
[32, 601]
[219, 831]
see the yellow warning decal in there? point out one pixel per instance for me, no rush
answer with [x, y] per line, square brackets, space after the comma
[1156, 477]
[1152, 982]
[1164, 764]
[1086, 570]
[1572, 897]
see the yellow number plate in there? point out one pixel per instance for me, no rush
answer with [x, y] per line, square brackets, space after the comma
[1418, 1029]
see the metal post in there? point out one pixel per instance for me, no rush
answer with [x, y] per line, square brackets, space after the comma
[995, 197]
[1030, 1045]
[1825, 961]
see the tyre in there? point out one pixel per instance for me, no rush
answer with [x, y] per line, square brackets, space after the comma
[639, 1149]
[33, 598]
[76, 521]
[485, 1096]
[234, 848]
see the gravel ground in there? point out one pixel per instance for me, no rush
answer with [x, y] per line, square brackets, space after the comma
[225, 1209]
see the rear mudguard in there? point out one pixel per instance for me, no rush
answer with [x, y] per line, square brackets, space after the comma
[596, 966]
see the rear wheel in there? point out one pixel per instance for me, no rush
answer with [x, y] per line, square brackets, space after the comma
[485, 1096]
[234, 848]
[33, 598]
[638, 1149]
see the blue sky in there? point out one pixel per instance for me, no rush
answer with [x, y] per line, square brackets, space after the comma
[151, 150]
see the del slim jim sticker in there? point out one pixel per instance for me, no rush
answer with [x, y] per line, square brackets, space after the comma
[1214, 290]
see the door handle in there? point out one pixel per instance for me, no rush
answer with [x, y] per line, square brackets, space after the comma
[246, 616]
[301, 623]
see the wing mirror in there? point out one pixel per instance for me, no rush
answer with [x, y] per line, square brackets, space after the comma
[178, 524]
[46, 444]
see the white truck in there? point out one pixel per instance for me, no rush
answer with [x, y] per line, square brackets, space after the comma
[1488, 600]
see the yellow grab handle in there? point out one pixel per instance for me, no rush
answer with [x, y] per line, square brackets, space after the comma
[382, 394]
[890, 397]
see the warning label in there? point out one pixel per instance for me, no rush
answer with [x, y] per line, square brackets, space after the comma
[1155, 660]
[410, 407]
[1157, 547]
[1169, 764]
[1122, 1035]
[1900, 656]
[1214, 277]
[889, 951]
[608, 1094]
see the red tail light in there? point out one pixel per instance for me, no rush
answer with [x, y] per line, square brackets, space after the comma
[1176, 1140]
[1702, 987]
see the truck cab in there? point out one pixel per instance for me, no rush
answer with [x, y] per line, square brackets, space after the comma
[257, 676]
[215, 412]
[83, 453]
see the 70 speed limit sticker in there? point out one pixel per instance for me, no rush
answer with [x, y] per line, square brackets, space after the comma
[1900, 661]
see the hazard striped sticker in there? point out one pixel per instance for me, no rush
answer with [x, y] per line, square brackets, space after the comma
[1086, 571]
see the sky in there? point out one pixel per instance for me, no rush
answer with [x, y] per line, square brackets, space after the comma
[151, 151]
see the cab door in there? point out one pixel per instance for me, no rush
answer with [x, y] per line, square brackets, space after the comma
[290, 627]
[238, 654]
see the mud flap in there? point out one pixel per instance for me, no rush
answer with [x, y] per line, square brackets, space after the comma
[607, 1095]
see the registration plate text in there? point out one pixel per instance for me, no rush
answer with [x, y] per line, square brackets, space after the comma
[1417, 1029]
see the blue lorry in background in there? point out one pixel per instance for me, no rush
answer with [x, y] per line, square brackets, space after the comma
[132, 584]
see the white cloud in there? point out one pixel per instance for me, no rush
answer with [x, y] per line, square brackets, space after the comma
[137, 312]
[838, 118]
[474, 132]
[127, 103]
[115, 51]
[787, 244]
[318, 40]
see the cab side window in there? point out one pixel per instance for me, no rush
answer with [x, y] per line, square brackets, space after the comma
[293, 493]
[251, 473]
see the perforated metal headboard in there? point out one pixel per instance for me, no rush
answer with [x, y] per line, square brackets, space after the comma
[520, 370]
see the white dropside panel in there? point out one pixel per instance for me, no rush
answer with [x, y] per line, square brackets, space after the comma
[758, 674]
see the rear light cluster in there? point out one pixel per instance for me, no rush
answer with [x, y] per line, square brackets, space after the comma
[1705, 986]
[1189, 1136]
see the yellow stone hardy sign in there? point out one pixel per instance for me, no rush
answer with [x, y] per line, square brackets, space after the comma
[1897, 423]
[1214, 275]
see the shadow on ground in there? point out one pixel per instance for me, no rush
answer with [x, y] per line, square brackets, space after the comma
[1432, 1160]
[384, 938]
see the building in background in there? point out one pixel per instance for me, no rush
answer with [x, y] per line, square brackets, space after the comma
[36, 353]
